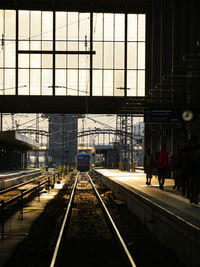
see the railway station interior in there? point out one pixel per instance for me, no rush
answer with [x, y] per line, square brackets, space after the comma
[112, 78]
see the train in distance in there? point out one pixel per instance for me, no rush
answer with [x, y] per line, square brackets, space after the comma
[83, 161]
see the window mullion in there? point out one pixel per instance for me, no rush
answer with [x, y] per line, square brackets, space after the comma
[54, 48]
[16, 47]
[91, 48]
[125, 55]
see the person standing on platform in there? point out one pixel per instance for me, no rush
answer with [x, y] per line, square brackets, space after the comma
[194, 179]
[162, 165]
[148, 166]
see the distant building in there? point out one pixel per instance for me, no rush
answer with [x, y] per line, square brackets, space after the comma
[63, 138]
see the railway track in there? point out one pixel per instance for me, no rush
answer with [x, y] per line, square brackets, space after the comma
[16, 193]
[88, 235]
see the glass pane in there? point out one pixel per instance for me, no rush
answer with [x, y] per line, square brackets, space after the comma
[118, 83]
[35, 82]
[97, 26]
[2, 59]
[9, 81]
[35, 25]
[132, 55]
[61, 25]
[119, 55]
[23, 24]
[1, 82]
[35, 61]
[23, 45]
[72, 88]
[108, 27]
[141, 83]
[61, 45]
[72, 26]
[47, 82]
[60, 82]
[97, 58]
[131, 83]
[47, 30]
[23, 85]
[47, 45]
[108, 83]
[119, 27]
[72, 61]
[9, 50]
[61, 61]
[108, 55]
[23, 61]
[84, 61]
[84, 82]
[1, 23]
[47, 25]
[141, 27]
[35, 45]
[47, 61]
[84, 26]
[73, 46]
[84, 45]
[132, 27]
[141, 55]
[97, 83]
[10, 19]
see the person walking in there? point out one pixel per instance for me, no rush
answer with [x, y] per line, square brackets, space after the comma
[148, 166]
[162, 159]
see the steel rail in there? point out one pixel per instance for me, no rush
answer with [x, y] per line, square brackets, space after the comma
[19, 196]
[114, 228]
[66, 217]
[18, 185]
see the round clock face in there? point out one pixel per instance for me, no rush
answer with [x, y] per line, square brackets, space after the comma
[187, 115]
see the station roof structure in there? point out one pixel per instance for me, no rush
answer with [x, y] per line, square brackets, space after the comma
[71, 104]
[19, 140]
[166, 75]
[81, 5]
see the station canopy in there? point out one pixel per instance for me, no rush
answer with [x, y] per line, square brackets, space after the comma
[15, 139]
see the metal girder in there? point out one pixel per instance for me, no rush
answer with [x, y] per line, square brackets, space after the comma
[68, 104]
[79, 5]
[102, 131]
[33, 131]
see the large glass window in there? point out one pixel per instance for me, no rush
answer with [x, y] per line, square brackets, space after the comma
[50, 60]
[7, 52]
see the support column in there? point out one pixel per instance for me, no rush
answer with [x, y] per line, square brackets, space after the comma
[25, 159]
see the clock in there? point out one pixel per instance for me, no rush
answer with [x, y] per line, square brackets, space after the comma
[187, 115]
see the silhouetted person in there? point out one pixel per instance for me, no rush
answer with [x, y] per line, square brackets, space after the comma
[194, 179]
[162, 165]
[148, 166]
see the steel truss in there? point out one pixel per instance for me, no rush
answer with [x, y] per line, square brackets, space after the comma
[124, 138]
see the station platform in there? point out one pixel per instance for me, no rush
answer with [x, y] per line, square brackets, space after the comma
[10, 178]
[16, 229]
[166, 213]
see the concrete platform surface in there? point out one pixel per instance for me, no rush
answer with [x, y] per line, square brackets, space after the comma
[14, 173]
[170, 199]
[11, 178]
[17, 227]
